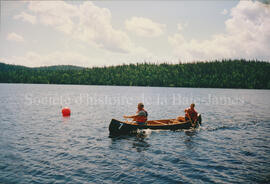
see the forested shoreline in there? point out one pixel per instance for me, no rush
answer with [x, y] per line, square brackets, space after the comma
[215, 74]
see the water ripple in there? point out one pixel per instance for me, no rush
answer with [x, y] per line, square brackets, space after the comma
[37, 145]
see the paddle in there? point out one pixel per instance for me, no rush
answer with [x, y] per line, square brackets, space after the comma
[126, 119]
[192, 123]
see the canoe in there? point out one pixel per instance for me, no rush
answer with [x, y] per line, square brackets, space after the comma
[117, 127]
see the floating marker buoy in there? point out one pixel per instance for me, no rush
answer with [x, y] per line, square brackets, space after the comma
[66, 111]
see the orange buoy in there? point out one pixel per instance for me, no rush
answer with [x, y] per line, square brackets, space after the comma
[66, 111]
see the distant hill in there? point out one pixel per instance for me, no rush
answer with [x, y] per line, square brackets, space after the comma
[215, 74]
[4, 66]
[60, 67]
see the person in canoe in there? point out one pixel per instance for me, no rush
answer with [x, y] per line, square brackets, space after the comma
[190, 115]
[141, 116]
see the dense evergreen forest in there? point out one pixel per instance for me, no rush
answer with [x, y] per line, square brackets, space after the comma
[216, 74]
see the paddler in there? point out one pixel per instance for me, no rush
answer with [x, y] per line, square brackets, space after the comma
[190, 115]
[141, 115]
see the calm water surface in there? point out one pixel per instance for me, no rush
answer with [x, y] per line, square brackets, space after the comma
[38, 145]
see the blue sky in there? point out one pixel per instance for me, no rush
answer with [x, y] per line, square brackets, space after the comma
[97, 33]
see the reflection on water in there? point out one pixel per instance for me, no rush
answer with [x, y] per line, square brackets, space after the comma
[136, 141]
[140, 144]
[65, 119]
[189, 138]
[190, 132]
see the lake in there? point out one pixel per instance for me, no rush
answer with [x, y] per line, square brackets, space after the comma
[38, 145]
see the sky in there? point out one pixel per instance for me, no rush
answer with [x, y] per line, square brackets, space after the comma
[105, 33]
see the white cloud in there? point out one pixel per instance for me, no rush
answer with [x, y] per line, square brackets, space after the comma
[247, 36]
[181, 26]
[15, 37]
[224, 12]
[144, 27]
[26, 17]
[85, 22]
[95, 26]
[57, 14]
[33, 59]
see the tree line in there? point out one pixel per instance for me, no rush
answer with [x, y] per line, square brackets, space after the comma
[216, 74]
